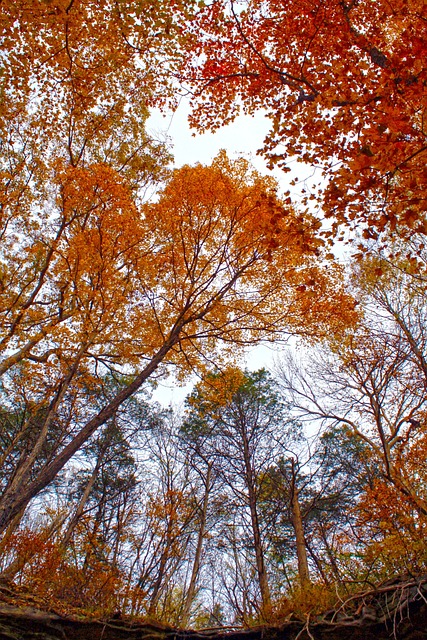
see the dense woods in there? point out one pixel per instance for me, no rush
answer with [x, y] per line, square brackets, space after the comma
[270, 495]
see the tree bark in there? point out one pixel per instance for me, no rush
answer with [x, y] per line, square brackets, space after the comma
[259, 552]
[80, 507]
[197, 557]
[21, 493]
[303, 570]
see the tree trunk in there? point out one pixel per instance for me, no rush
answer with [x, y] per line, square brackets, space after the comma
[18, 496]
[303, 571]
[156, 592]
[196, 563]
[80, 507]
[259, 553]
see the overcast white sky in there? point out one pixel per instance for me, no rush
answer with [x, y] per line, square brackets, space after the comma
[243, 137]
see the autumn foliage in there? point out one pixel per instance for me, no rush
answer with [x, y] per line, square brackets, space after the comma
[344, 86]
[101, 283]
[269, 494]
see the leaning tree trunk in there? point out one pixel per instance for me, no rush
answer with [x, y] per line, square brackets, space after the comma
[18, 496]
[80, 507]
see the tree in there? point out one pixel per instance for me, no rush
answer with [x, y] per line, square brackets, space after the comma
[201, 462]
[344, 85]
[374, 380]
[390, 530]
[75, 70]
[281, 502]
[217, 260]
[310, 494]
[164, 524]
[344, 470]
[95, 496]
[243, 422]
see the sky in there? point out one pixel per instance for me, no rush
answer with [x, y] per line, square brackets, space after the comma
[241, 138]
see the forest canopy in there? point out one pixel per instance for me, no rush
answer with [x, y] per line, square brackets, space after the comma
[344, 86]
[270, 492]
